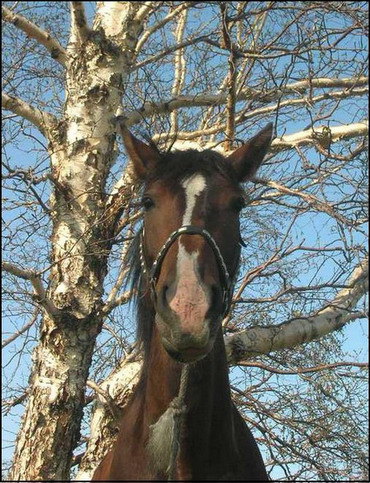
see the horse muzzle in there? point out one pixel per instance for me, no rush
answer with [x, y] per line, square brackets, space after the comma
[184, 318]
[188, 348]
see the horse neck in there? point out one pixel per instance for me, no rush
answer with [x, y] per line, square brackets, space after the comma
[160, 378]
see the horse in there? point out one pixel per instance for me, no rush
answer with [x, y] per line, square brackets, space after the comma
[181, 423]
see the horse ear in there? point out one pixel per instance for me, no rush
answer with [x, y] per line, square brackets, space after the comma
[247, 159]
[144, 157]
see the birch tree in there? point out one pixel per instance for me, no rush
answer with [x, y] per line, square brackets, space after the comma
[188, 75]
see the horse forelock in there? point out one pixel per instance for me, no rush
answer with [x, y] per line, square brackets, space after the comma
[179, 165]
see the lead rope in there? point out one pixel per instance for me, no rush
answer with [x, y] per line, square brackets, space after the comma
[179, 409]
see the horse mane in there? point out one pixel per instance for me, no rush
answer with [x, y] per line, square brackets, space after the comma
[141, 297]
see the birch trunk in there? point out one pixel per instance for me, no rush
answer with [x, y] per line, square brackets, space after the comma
[81, 149]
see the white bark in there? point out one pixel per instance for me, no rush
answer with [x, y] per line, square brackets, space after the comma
[81, 165]
[50, 424]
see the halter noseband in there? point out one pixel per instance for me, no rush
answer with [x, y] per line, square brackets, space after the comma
[153, 273]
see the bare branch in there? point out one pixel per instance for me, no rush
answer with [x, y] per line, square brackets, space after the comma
[22, 330]
[169, 51]
[8, 404]
[336, 313]
[197, 100]
[231, 79]
[304, 101]
[309, 198]
[160, 24]
[114, 409]
[42, 120]
[179, 66]
[122, 299]
[304, 370]
[146, 8]
[79, 21]
[319, 135]
[325, 83]
[35, 279]
[29, 28]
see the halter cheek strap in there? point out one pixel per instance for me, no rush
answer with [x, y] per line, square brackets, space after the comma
[154, 272]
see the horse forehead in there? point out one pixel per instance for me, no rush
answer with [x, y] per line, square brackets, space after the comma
[191, 188]
[193, 185]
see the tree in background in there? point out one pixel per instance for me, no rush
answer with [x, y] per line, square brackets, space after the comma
[186, 74]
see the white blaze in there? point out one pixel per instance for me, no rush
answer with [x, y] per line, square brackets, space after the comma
[190, 301]
[193, 187]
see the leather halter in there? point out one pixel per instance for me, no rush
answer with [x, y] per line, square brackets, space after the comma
[154, 272]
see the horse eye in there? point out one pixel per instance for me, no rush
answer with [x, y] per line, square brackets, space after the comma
[238, 204]
[147, 203]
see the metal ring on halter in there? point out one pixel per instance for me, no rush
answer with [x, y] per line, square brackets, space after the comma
[153, 273]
